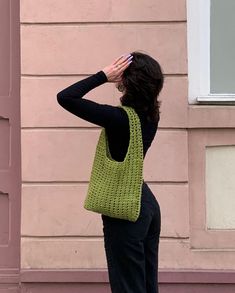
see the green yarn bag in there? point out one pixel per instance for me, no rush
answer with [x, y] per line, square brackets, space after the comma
[115, 187]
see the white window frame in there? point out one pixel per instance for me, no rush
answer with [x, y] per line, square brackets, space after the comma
[198, 38]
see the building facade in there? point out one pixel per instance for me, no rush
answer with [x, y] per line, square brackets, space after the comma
[48, 241]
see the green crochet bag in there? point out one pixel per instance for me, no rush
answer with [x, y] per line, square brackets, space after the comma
[115, 187]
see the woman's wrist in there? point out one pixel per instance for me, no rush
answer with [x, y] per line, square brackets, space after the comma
[99, 77]
[102, 76]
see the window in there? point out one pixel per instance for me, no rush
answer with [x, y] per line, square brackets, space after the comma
[211, 53]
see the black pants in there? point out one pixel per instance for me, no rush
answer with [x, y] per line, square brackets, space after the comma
[132, 248]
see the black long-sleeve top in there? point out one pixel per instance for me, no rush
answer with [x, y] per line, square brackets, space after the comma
[114, 119]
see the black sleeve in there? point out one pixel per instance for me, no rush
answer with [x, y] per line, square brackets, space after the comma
[101, 114]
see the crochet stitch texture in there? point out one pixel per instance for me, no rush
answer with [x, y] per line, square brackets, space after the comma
[115, 187]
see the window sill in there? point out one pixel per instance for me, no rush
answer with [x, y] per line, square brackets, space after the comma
[217, 99]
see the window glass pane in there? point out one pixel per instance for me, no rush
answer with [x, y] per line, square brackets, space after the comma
[222, 47]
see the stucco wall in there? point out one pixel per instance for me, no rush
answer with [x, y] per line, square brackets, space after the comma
[63, 41]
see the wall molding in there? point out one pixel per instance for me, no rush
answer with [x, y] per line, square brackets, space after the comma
[101, 276]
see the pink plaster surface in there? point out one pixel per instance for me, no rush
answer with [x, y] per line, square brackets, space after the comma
[102, 10]
[66, 252]
[74, 49]
[167, 159]
[88, 252]
[211, 117]
[58, 155]
[39, 94]
[174, 97]
[67, 155]
[57, 210]
[9, 288]
[87, 287]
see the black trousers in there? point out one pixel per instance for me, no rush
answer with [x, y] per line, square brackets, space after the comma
[132, 248]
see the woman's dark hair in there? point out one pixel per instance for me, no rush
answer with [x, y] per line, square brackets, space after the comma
[143, 80]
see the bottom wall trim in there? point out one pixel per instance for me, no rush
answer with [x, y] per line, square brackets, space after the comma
[101, 276]
[96, 281]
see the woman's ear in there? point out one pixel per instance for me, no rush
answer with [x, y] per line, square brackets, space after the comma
[120, 86]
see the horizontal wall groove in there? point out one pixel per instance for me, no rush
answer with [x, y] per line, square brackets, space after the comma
[56, 75]
[160, 22]
[37, 183]
[212, 249]
[89, 237]
[53, 182]
[61, 128]
[64, 237]
[58, 128]
[88, 74]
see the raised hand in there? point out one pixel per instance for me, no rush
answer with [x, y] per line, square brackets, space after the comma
[115, 70]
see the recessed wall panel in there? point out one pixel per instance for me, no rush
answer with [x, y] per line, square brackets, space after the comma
[4, 143]
[220, 187]
[4, 218]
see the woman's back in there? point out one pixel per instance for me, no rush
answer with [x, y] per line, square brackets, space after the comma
[118, 135]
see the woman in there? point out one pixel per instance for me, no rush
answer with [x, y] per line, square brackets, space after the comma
[131, 247]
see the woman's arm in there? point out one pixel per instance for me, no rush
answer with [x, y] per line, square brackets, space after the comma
[101, 114]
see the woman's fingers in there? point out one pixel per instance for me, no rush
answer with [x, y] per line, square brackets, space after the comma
[121, 59]
[120, 70]
[118, 79]
[122, 66]
[116, 69]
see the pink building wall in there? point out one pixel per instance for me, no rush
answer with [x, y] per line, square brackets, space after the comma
[64, 41]
[58, 148]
